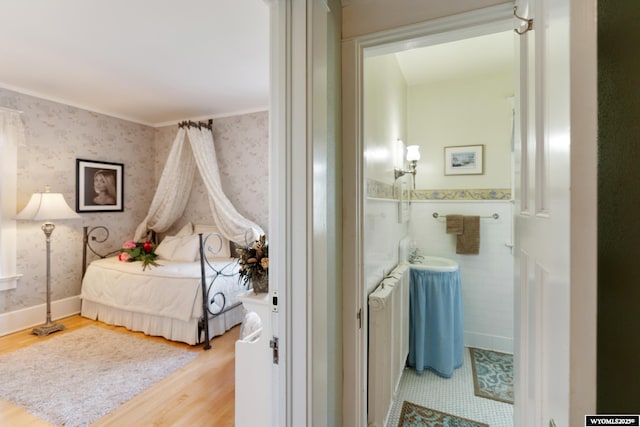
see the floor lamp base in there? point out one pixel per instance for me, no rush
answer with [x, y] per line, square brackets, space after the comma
[47, 328]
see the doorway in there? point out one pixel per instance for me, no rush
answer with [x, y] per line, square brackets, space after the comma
[447, 96]
[378, 161]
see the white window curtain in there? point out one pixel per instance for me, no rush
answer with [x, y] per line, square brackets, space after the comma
[11, 136]
[175, 183]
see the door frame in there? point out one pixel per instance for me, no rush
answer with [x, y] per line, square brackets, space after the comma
[584, 209]
[303, 220]
[466, 25]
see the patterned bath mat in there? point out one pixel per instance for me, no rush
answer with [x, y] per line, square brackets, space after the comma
[492, 374]
[418, 416]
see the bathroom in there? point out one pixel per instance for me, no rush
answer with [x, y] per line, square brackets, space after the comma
[448, 95]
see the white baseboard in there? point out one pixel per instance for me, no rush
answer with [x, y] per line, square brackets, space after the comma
[488, 342]
[25, 318]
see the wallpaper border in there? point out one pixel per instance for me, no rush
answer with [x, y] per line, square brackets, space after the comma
[381, 190]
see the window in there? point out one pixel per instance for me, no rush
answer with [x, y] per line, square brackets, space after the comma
[11, 135]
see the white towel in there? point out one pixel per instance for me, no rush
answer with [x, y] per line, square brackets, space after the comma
[379, 297]
[250, 324]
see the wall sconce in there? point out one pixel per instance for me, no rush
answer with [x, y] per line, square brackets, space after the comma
[413, 155]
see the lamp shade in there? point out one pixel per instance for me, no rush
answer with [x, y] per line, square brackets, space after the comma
[46, 207]
[413, 152]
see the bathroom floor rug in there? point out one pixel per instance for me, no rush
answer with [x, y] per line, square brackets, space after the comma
[418, 416]
[492, 374]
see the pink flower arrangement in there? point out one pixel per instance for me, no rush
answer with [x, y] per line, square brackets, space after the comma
[124, 257]
[139, 251]
[129, 244]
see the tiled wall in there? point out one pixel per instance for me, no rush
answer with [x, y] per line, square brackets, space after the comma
[487, 278]
[382, 235]
[58, 134]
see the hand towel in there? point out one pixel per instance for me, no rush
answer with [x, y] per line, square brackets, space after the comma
[454, 224]
[468, 243]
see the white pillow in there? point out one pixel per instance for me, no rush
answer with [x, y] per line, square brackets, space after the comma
[222, 251]
[179, 248]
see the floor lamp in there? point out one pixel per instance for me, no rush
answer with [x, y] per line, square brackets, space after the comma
[47, 207]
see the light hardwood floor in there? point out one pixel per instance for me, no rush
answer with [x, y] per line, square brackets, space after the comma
[201, 394]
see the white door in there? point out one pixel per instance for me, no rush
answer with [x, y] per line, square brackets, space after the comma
[542, 216]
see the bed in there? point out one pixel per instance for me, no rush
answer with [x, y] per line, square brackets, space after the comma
[191, 296]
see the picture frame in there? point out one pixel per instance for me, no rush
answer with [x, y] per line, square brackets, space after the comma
[464, 160]
[99, 186]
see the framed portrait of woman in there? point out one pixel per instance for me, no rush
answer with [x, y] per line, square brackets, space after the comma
[99, 186]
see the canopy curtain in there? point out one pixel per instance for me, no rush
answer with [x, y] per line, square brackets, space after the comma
[174, 188]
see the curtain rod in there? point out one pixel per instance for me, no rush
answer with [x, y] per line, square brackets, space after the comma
[199, 125]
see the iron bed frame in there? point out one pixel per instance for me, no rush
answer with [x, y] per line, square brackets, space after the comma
[100, 234]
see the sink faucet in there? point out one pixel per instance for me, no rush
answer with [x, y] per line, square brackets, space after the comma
[413, 256]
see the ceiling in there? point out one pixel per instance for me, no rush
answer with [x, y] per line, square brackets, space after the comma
[161, 65]
[492, 53]
[191, 59]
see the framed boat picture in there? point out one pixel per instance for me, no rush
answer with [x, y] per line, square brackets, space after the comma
[464, 160]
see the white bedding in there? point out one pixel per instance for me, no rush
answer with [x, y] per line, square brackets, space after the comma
[164, 300]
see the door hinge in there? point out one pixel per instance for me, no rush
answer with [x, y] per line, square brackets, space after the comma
[274, 345]
[359, 316]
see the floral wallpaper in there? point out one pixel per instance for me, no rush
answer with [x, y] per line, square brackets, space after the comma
[58, 134]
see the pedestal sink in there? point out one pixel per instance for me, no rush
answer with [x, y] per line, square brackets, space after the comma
[434, 263]
[435, 316]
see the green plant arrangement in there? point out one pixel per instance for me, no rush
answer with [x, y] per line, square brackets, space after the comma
[139, 251]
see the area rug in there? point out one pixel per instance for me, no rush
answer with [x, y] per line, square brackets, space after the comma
[73, 379]
[413, 415]
[492, 374]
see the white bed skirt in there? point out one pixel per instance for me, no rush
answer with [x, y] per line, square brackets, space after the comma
[169, 328]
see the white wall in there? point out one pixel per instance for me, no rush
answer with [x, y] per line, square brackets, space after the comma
[385, 101]
[466, 111]
[487, 278]
[384, 124]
